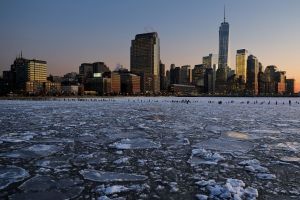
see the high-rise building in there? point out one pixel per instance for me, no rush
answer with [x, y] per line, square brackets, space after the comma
[172, 74]
[270, 79]
[280, 78]
[290, 86]
[241, 64]
[162, 76]
[223, 43]
[209, 81]
[261, 81]
[221, 74]
[177, 74]
[91, 70]
[252, 75]
[186, 75]
[29, 71]
[211, 61]
[198, 77]
[145, 61]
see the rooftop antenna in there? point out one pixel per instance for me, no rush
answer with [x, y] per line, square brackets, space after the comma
[224, 14]
[21, 54]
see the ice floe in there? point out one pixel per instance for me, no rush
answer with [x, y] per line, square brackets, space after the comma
[138, 143]
[11, 174]
[106, 177]
[232, 189]
[202, 156]
[37, 150]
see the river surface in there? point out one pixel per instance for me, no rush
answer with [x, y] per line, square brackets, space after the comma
[150, 148]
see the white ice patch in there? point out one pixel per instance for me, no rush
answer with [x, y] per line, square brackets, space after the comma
[115, 189]
[287, 146]
[202, 156]
[138, 143]
[255, 167]
[106, 177]
[232, 189]
[124, 160]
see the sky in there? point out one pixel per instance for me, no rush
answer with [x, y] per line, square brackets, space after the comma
[66, 33]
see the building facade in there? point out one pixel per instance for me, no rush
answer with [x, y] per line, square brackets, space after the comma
[241, 64]
[145, 61]
[290, 86]
[252, 75]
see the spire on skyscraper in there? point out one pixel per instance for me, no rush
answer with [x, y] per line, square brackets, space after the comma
[224, 14]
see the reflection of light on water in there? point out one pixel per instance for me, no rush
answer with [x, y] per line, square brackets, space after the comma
[237, 135]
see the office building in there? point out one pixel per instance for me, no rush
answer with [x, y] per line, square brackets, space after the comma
[290, 86]
[145, 61]
[252, 75]
[241, 64]
[185, 75]
[223, 44]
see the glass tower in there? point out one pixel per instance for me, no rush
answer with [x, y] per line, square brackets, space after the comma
[145, 61]
[223, 45]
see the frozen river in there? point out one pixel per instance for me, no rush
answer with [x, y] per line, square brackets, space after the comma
[150, 148]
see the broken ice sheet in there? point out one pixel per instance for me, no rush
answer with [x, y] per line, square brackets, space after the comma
[39, 185]
[232, 189]
[37, 150]
[226, 145]
[138, 143]
[202, 156]
[11, 174]
[106, 177]
[17, 137]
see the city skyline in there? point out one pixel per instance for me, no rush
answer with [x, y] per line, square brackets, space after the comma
[269, 36]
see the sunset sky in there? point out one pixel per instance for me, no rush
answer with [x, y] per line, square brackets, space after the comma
[66, 33]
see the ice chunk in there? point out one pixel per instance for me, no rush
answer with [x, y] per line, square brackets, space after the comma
[290, 159]
[288, 146]
[115, 189]
[17, 137]
[233, 189]
[265, 176]
[202, 156]
[138, 143]
[39, 183]
[226, 145]
[11, 174]
[37, 150]
[122, 160]
[201, 197]
[254, 166]
[106, 177]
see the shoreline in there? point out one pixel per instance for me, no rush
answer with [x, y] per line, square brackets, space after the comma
[47, 98]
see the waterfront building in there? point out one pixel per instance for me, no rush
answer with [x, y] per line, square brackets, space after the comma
[162, 75]
[145, 61]
[252, 75]
[241, 64]
[185, 75]
[290, 86]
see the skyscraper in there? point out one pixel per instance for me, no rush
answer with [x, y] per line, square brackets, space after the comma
[252, 75]
[221, 74]
[145, 61]
[211, 61]
[185, 75]
[241, 64]
[223, 43]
